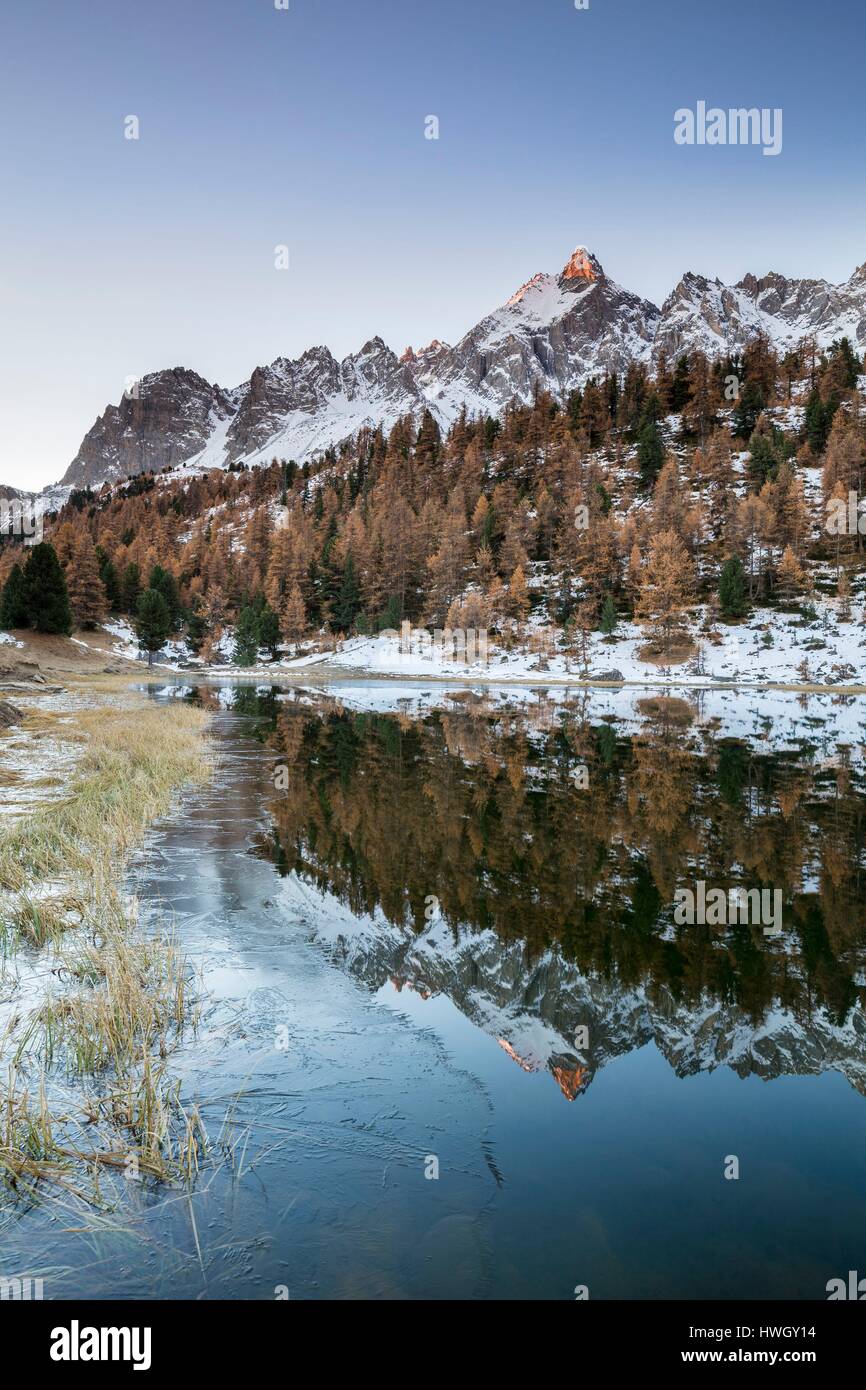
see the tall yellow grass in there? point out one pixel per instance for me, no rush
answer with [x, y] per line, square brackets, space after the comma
[122, 999]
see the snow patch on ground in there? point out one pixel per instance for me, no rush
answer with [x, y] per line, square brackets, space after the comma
[771, 648]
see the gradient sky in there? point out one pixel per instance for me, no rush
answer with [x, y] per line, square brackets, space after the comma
[306, 127]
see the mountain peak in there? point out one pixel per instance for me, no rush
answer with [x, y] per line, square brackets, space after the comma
[553, 334]
[582, 265]
[538, 281]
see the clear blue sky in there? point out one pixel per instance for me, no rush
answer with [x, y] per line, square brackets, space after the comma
[306, 127]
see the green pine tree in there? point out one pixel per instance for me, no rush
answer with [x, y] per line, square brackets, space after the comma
[269, 631]
[607, 619]
[732, 589]
[196, 626]
[766, 452]
[650, 452]
[153, 622]
[246, 637]
[348, 600]
[13, 602]
[163, 582]
[749, 408]
[389, 618]
[45, 594]
[110, 581]
[681, 387]
[819, 418]
[842, 349]
[130, 589]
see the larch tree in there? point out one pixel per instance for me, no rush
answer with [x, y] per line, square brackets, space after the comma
[665, 587]
[699, 414]
[86, 589]
[843, 591]
[293, 617]
[448, 567]
[717, 470]
[518, 596]
[790, 578]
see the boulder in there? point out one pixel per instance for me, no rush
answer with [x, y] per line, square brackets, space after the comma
[9, 714]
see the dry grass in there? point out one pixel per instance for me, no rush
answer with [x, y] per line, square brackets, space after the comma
[673, 653]
[118, 1001]
[135, 759]
[28, 1152]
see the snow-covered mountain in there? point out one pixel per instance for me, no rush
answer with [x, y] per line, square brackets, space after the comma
[296, 409]
[290, 409]
[535, 1006]
[161, 421]
[717, 318]
[554, 333]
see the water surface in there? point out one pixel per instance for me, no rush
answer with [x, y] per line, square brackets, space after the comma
[407, 905]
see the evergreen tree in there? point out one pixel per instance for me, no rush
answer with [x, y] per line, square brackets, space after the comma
[819, 418]
[45, 594]
[315, 584]
[389, 618]
[196, 626]
[652, 410]
[607, 620]
[650, 451]
[164, 582]
[492, 430]
[111, 582]
[681, 386]
[842, 352]
[269, 631]
[130, 589]
[732, 588]
[246, 637]
[153, 622]
[749, 408]
[768, 450]
[13, 602]
[348, 601]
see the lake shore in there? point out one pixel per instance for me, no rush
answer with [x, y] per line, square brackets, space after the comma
[91, 1006]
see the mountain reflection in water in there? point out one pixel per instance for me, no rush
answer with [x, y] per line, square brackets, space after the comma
[476, 863]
